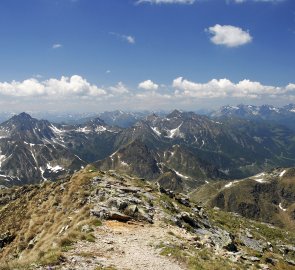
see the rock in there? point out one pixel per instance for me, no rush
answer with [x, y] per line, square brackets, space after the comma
[184, 201]
[129, 189]
[189, 220]
[6, 239]
[96, 179]
[264, 266]
[291, 262]
[116, 203]
[177, 221]
[270, 260]
[168, 192]
[286, 249]
[252, 243]
[102, 213]
[131, 210]
[142, 215]
[86, 228]
[248, 234]
[149, 196]
[32, 243]
[250, 258]
[222, 239]
[118, 216]
[134, 200]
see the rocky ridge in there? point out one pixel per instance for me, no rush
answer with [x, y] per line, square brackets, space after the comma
[106, 219]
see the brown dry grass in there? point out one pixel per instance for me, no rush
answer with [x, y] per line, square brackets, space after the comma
[40, 214]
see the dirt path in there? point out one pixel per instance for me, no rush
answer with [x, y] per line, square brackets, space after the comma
[123, 246]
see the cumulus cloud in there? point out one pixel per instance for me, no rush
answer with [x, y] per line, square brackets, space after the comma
[166, 1]
[76, 92]
[224, 88]
[120, 88]
[56, 46]
[148, 85]
[128, 38]
[53, 88]
[228, 35]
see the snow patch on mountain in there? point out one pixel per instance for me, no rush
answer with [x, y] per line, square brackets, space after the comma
[56, 130]
[260, 178]
[156, 130]
[83, 130]
[181, 175]
[56, 168]
[281, 207]
[42, 173]
[100, 129]
[282, 173]
[175, 132]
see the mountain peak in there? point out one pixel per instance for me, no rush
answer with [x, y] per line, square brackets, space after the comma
[175, 113]
[98, 121]
[22, 116]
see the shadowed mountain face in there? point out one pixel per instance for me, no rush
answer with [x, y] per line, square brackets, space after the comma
[236, 147]
[30, 152]
[34, 150]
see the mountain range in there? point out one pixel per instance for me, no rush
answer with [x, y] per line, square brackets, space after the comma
[218, 187]
[190, 148]
[279, 115]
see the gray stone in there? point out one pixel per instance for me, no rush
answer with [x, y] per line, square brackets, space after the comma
[250, 258]
[131, 210]
[291, 262]
[252, 243]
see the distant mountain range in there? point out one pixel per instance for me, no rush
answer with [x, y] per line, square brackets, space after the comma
[188, 148]
[280, 115]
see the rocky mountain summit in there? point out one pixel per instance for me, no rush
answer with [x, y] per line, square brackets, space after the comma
[106, 220]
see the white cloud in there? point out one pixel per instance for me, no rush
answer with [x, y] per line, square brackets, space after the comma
[52, 88]
[120, 88]
[128, 38]
[228, 35]
[148, 85]
[166, 1]
[56, 46]
[76, 92]
[224, 88]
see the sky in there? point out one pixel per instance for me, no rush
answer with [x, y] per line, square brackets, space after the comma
[96, 55]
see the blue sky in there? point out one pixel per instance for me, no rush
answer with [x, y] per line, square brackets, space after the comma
[93, 55]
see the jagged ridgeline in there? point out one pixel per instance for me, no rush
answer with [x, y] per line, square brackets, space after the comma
[106, 220]
[183, 147]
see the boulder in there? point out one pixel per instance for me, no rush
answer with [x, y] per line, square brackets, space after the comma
[252, 243]
[118, 216]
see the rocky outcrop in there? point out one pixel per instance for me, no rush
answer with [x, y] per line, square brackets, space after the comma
[114, 199]
[6, 239]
